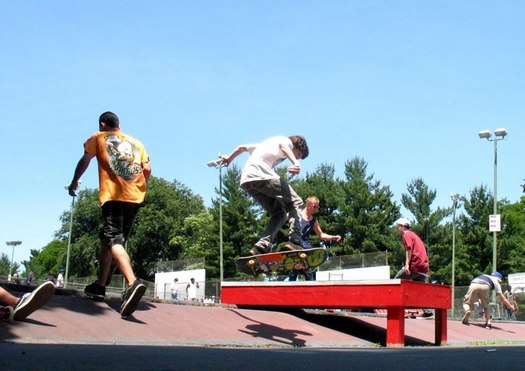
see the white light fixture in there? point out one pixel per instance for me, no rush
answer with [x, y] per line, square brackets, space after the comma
[501, 132]
[485, 134]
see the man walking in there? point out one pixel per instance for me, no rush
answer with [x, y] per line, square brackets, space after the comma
[124, 168]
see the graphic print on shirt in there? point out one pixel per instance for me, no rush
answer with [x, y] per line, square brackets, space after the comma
[124, 157]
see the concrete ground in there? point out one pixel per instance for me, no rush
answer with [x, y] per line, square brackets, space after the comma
[72, 328]
[70, 318]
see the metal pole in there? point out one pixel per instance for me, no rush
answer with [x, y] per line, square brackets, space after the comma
[453, 254]
[495, 236]
[66, 278]
[494, 233]
[220, 226]
[12, 243]
[218, 163]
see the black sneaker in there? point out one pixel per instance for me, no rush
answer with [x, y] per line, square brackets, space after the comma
[488, 326]
[34, 300]
[466, 317]
[131, 298]
[427, 314]
[293, 245]
[95, 291]
[257, 250]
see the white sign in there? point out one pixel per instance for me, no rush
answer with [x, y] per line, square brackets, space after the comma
[495, 223]
[517, 281]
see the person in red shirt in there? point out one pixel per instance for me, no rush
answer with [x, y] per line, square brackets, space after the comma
[416, 265]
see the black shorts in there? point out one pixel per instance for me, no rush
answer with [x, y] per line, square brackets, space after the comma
[118, 220]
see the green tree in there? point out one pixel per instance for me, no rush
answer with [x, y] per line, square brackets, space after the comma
[511, 240]
[428, 227]
[367, 212]
[323, 184]
[241, 226]
[5, 264]
[475, 251]
[50, 259]
[159, 222]
[160, 219]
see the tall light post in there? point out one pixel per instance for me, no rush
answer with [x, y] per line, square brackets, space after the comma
[12, 243]
[494, 222]
[456, 203]
[70, 233]
[217, 164]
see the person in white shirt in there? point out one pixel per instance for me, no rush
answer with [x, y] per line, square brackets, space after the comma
[479, 289]
[272, 192]
[191, 290]
[60, 278]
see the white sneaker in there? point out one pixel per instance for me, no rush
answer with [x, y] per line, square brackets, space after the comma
[466, 317]
[33, 300]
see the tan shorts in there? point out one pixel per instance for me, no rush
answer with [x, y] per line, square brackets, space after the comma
[477, 291]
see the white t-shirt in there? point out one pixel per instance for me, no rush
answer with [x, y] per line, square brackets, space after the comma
[264, 157]
[60, 280]
[192, 291]
[489, 278]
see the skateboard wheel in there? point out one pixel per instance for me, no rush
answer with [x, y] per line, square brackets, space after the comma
[302, 255]
[251, 262]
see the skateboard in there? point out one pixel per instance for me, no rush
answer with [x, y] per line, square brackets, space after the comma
[282, 261]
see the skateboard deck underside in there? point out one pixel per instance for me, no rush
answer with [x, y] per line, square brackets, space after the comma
[283, 261]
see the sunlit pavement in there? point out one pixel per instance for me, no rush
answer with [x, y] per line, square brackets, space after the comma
[74, 324]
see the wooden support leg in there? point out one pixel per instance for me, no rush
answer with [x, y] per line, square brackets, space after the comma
[395, 327]
[441, 327]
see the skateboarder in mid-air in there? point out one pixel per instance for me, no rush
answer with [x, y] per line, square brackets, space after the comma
[272, 192]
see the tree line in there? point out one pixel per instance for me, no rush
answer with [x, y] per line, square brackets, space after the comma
[174, 223]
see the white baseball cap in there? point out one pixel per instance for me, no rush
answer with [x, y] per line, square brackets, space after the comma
[402, 221]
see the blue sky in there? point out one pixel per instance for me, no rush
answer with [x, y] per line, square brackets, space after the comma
[406, 85]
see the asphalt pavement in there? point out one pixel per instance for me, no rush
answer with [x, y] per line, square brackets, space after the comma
[72, 331]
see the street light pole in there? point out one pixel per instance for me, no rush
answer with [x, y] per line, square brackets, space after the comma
[66, 278]
[456, 199]
[499, 134]
[218, 164]
[12, 243]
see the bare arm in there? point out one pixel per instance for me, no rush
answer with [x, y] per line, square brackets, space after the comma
[324, 236]
[296, 167]
[146, 170]
[407, 262]
[505, 302]
[81, 167]
[228, 159]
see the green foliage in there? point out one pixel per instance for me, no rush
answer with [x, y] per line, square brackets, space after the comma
[5, 264]
[174, 224]
[50, 259]
[240, 221]
[160, 220]
[366, 211]
[428, 225]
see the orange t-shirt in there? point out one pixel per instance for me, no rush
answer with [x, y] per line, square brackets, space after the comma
[120, 158]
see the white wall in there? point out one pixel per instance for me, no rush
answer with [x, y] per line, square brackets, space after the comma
[356, 274]
[517, 281]
[164, 282]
